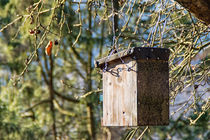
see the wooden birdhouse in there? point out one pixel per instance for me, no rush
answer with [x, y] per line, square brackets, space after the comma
[135, 87]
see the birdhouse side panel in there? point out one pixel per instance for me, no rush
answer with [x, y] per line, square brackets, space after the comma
[120, 94]
[153, 92]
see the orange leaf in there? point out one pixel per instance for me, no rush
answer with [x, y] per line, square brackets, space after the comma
[48, 48]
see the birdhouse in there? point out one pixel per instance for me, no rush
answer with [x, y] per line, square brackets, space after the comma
[135, 87]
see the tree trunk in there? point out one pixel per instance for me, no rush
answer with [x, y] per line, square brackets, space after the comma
[52, 98]
[200, 8]
[90, 108]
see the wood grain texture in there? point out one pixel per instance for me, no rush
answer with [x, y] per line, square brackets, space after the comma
[136, 93]
[120, 94]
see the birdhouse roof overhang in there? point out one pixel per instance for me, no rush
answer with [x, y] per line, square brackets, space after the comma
[136, 53]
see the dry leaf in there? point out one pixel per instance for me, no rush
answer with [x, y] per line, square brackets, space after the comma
[48, 48]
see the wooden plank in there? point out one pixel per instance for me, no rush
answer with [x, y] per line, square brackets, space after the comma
[105, 103]
[113, 57]
[136, 53]
[107, 99]
[153, 92]
[120, 94]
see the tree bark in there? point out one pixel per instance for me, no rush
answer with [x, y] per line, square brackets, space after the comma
[200, 8]
[115, 8]
[90, 108]
[52, 98]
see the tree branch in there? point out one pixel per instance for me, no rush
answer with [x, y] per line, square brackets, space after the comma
[78, 56]
[37, 104]
[66, 98]
[60, 109]
[51, 89]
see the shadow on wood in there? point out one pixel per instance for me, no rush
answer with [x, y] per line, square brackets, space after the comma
[136, 87]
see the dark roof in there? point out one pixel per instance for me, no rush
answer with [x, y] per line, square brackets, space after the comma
[136, 53]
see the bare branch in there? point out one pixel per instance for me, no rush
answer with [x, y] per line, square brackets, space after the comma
[37, 104]
[66, 97]
[60, 109]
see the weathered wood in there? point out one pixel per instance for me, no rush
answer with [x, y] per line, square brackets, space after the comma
[100, 62]
[136, 88]
[135, 53]
[153, 89]
[119, 98]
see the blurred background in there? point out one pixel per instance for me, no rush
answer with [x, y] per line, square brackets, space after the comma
[59, 96]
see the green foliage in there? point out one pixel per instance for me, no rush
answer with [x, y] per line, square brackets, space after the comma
[11, 125]
[58, 96]
[3, 2]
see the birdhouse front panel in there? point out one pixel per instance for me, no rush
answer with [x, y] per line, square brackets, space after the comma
[120, 94]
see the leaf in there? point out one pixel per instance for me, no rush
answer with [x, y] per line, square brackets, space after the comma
[48, 48]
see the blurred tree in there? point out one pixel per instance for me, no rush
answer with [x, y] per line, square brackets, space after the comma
[58, 96]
